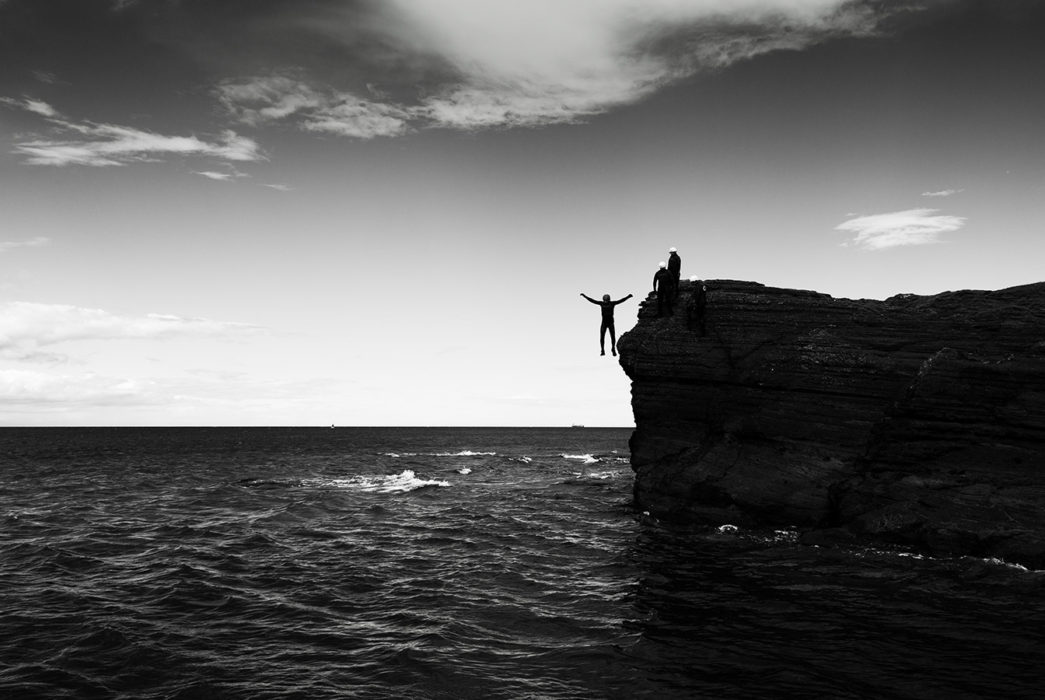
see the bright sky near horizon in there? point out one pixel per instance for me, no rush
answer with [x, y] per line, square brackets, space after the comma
[382, 213]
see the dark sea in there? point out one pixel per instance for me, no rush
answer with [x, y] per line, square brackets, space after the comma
[455, 563]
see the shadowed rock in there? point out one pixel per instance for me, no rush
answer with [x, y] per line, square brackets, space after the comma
[916, 420]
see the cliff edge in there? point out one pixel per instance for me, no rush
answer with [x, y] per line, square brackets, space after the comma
[917, 420]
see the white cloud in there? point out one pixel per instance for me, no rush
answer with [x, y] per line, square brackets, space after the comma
[30, 105]
[30, 388]
[261, 100]
[220, 176]
[941, 193]
[900, 228]
[109, 144]
[25, 327]
[46, 77]
[348, 115]
[24, 392]
[268, 99]
[223, 177]
[280, 188]
[31, 243]
[546, 62]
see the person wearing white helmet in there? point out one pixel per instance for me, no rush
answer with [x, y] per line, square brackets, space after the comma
[664, 286]
[675, 268]
[607, 321]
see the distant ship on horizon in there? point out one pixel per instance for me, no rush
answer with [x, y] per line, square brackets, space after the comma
[576, 425]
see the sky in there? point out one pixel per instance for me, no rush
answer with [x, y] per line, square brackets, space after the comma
[363, 212]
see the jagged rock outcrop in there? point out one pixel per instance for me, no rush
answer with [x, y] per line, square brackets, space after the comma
[916, 420]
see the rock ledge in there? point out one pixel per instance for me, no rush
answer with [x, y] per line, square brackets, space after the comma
[917, 420]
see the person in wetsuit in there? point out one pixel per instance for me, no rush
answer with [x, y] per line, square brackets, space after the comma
[607, 321]
[664, 286]
[675, 268]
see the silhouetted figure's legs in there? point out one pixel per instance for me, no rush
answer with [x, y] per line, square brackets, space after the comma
[664, 300]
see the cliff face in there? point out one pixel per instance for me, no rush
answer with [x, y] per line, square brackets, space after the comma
[917, 420]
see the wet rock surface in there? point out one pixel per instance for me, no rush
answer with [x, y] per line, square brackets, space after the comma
[917, 420]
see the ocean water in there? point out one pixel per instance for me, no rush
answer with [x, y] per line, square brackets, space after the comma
[454, 563]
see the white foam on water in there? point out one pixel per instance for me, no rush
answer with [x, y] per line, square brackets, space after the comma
[587, 459]
[784, 536]
[1007, 564]
[461, 453]
[727, 528]
[598, 475]
[464, 470]
[385, 483]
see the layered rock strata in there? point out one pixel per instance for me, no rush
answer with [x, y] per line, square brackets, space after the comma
[916, 420]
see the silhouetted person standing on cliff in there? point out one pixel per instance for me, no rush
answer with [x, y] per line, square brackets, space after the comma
[697, 306]
[607, 321]
[675, 268]
[664, 286]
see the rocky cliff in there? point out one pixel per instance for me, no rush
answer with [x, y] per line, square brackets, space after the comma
[916, 420]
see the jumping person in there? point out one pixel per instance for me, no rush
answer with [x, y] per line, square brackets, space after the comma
[664, 286]
[607, 321]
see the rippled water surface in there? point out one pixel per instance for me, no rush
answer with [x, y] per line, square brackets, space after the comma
[454, 563]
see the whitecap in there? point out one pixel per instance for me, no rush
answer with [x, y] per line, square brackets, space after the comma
[462, 453]
[601, 475]
[727, 528]
[784, 536]
[386, 483]
[587, 459]
[1008, 564]
[464, 470]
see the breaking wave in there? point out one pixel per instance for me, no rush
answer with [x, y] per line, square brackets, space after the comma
[387, 483]
[461, 453]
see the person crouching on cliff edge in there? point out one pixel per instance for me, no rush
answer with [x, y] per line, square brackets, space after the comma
[607, 321]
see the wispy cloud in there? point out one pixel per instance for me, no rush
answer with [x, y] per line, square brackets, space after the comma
[99, 145]
[278, 187]
[900, 228]
[220, 176]
[22, 388]
[268, 99]
[541, 62]
[941, 193]
[46, 77]
[30, 243]
[24, 391]
[211, 175]
[26, 327]
[30, 105]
